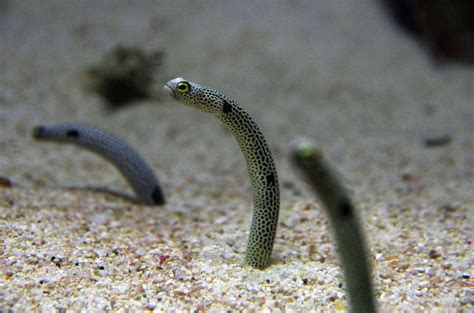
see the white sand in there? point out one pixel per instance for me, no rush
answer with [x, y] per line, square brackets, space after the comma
[336, 71]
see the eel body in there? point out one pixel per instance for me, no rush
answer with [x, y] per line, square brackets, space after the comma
[261, 168]
[345, 223]
[133, 167]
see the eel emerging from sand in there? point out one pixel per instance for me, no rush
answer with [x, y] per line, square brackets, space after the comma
[261, 168]
[345, 223]
[133, 167]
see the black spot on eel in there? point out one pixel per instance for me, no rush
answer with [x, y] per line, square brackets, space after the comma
[345, 224]
[137, 172]
[261, 168]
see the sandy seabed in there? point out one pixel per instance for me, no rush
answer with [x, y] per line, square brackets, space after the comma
[336, 71]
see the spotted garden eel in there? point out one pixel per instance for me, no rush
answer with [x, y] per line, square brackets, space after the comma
[133, 167]
[345, 223]
[261, 168]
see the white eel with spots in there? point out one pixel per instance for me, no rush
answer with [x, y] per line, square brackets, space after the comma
[261, 168]
[133, 167]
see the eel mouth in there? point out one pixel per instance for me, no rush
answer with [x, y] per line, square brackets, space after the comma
[169, 90]
[37, 132]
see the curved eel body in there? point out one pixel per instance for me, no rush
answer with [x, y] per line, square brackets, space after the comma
[137, 172]
[345, 224]
[261, 168]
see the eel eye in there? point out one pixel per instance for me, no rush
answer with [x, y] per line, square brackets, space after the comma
[183, 87]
